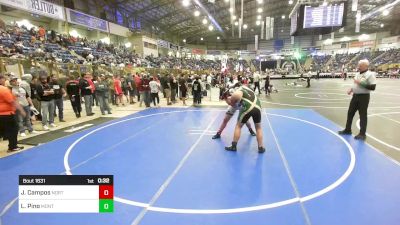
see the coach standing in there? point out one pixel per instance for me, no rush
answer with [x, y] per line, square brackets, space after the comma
[364, 83]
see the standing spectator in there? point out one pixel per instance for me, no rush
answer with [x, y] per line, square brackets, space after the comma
[86, 92]
[196, 90]
[35, 97]
[46, 94]
[174, 86]
[138, 83]
[24, 122]
[102, 94]
[125, 88]
[154, 89]
[364, 83]
[256, 80]
[8, 122]
[146, 90]
[94, 99]
[166, 88]
[73, 92]
[118, 90]
[110, 82]
[183, 87]
[131, 88]
[267, 84]
[59, 93]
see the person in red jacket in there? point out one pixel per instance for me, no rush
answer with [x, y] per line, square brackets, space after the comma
[118, 90]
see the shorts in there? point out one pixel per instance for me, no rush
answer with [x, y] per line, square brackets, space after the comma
[132, 93]
[167, 93]
[231, 110]
[255, 113]
[184, 93]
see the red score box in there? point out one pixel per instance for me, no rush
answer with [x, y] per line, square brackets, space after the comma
[106, 192]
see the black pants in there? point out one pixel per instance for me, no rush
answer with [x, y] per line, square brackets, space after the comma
[197, 97]
[9, 130]
[267, 90]
[257, 85]
[359, 103]
[76, 103]
[155, 96]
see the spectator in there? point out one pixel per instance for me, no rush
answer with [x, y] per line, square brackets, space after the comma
[166, 88]
[85, 84]
[196, 90]
[174, 87]
[118, 90]
[154, 89]
[22, 95]
[183, 88]
[46, 94]
[8, 122]
[74, 96]
[102, 94]
[146, 90]
[59, 93]
[42, 33]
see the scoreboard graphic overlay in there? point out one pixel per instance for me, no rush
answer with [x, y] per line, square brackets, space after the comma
[66, 194]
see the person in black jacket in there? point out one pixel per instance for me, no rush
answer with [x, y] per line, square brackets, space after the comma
[196, 90]
[59, 93]
[46, 93]
[73, 92]
[86, 92]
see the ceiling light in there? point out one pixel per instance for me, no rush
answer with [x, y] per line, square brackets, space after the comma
[201, 39]
[205, 21]
[385, 12]
[259, 17]
[258, 23]
[259, 10]
[236, 23]
[382, 25]
[234, 17]
[283, 17]
[186, 3]
[218, 38]
[325, 3]
[231, 10]
[184, 40]
[210, 28]
[226, 0]
[260, 1]
[245, 26]
[290, 2]
[197, 13]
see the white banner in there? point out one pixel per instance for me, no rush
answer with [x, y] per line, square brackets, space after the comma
[256, 42]
[271, 32]
[391, 40]
[262, 29]
[37, 7]
[267, 27]
[358, 21]
[354, 5]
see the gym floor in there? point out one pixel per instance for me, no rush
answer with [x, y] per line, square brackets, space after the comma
[168, 170]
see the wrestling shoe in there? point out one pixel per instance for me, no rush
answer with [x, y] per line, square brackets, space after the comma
[345, 132]
[217, 136]
[231, 148]
[261, 149]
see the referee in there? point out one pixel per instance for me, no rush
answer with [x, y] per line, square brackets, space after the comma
[364, 83]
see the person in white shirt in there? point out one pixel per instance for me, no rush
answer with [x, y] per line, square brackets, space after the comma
[256, 80]
[154, 90]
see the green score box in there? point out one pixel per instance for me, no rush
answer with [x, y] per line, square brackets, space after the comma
[106, 205]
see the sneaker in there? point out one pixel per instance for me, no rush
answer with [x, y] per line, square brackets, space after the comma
[345, 132]
[18, 148]
[109, 112]
[360, 137]
[217, 136]
[46, 128]
[231, 148]
[34, 132]
[252, 133]
[62, 120]
[53, 125]
[22, 134]
[91, 114]
[261, 149]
